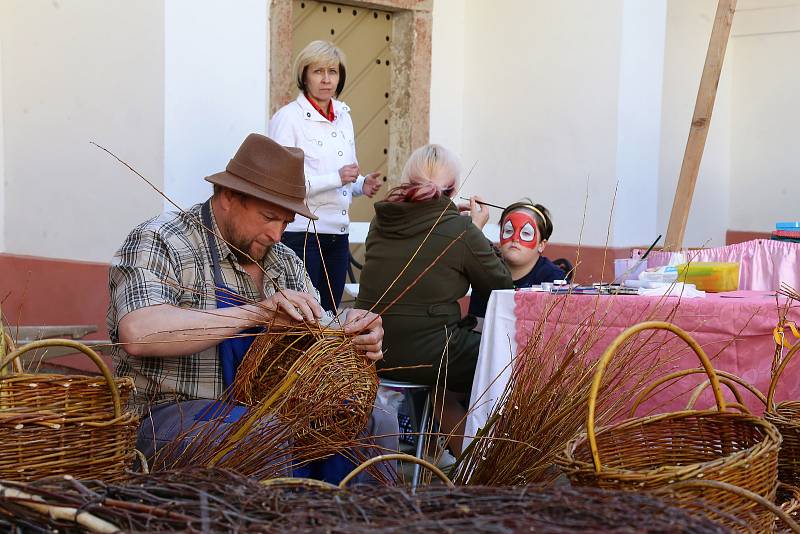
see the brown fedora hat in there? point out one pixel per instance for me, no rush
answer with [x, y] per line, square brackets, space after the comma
[264, 169]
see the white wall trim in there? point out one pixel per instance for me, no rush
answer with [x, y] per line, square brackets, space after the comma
[639, 120]
[447, 75]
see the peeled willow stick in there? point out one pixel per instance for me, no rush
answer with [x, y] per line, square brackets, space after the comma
[789, 292]
[84, 519]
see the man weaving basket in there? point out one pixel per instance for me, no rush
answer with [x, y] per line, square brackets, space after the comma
[185, 286]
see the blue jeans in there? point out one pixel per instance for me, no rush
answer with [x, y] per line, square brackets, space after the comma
[335, 249]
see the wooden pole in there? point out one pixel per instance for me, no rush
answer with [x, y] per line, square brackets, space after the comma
[701, 120]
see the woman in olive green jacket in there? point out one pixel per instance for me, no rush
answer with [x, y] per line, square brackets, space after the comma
[419, 229]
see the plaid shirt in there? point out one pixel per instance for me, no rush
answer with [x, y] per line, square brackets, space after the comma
[167, 260]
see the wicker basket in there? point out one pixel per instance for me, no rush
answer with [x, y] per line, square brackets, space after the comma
[782, 512]
[54, 424]
[789, 502]
[786, 417]
[647, 453]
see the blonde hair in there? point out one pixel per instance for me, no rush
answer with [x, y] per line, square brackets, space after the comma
[432, 163]
[323, 53]
[431, 171]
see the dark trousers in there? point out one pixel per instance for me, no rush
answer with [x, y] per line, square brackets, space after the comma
[335, 250]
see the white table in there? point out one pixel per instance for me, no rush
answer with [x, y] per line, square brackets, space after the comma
[357, 233]
[357, 236]
[497, 349]
[492, 232]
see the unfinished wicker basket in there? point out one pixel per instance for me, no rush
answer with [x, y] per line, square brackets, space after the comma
[53, 424]
[647, 453]
[334, 392]
[786, 418]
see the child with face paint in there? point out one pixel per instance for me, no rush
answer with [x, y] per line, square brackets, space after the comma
[525, 228]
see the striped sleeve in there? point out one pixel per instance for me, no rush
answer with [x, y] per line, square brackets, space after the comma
[143, 273]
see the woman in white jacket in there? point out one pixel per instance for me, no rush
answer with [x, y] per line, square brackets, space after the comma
[321, 126]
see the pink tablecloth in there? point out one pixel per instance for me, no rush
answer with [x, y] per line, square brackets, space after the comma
[735, 330]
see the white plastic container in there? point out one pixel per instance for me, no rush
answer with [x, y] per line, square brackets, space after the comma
[664, 275]
[628, 269]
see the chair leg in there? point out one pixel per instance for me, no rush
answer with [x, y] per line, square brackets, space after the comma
[424, 424]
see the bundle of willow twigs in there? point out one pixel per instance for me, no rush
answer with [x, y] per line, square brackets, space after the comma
[222, 501]
[335, 390]
[545, 402]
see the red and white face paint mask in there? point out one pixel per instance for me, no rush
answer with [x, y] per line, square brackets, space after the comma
[519, 226]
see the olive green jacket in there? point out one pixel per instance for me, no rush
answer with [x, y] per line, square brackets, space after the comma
[455, 254]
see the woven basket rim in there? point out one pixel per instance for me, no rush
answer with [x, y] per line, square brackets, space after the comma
[782, 419]
[772, 438]
[58, 385]
[64, 378]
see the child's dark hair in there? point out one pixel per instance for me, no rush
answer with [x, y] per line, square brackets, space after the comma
[541, 214]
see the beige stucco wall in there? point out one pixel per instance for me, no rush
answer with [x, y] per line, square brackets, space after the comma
[215, 89]
[748, 178]
[538, 93]
[543, 95]
[75, 71]
[539, 105]
[765, 175]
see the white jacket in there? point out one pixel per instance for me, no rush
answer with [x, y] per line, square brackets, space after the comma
[327, 146]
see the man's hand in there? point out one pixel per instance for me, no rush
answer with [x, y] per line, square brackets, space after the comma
[296, 305]
[369, 328]
[348, 174]
[372, 183]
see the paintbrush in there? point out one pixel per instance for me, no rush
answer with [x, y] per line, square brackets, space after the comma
[487, 204]
[649, 250]
[638, 263]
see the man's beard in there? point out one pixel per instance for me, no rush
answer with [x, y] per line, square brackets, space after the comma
[241, 247]
[247, 259]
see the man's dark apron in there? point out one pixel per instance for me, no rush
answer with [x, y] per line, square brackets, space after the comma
[231, 351]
